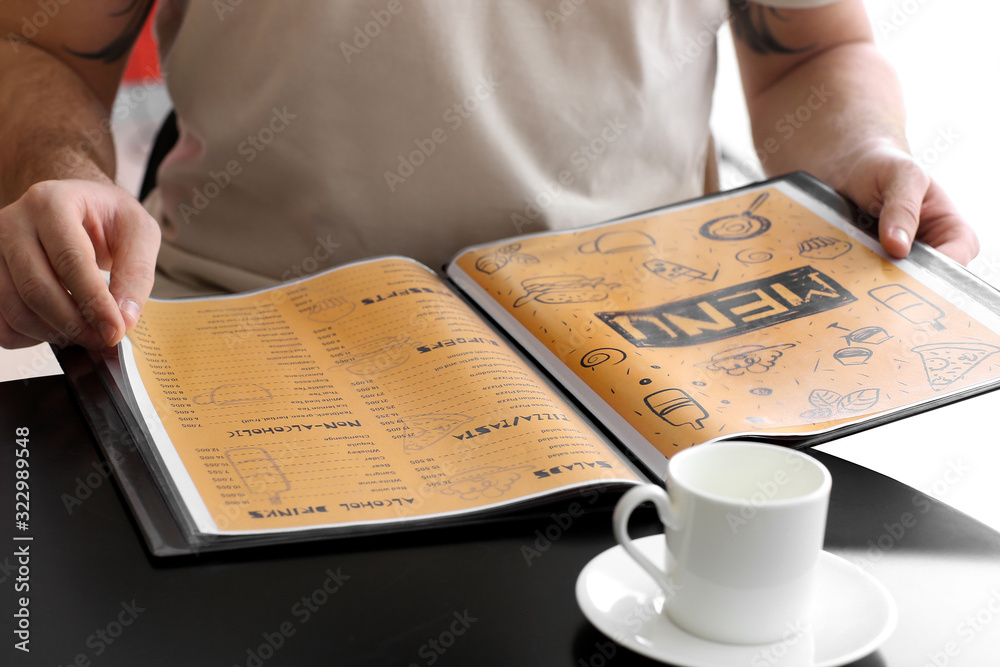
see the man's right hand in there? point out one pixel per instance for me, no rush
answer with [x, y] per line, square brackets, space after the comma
[54, 241]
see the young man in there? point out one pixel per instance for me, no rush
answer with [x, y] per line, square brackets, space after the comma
[317, 133]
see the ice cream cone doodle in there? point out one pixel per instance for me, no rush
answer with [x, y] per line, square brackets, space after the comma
[259, 472]
[676, 407]
[908, 304]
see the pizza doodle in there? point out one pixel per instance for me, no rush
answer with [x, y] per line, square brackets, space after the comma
[945, 363]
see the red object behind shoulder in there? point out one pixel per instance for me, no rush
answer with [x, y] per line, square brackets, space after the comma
[144, 62]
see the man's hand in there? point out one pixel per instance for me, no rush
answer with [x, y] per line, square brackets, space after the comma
[54, 241]
[888, 183]
[854, 139]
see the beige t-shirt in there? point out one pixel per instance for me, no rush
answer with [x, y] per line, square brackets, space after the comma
[315, 133]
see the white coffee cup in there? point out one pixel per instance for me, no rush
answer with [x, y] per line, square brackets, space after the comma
[744, 527]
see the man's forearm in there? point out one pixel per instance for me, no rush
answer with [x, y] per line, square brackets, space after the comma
[842, 101]
[53, 126]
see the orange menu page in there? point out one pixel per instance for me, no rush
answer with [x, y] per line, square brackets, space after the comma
[748, 314]
[370, 393]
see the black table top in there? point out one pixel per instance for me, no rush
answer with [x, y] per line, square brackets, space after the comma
[494, 594]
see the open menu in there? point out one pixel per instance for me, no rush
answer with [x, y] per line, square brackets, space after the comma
[380, 396]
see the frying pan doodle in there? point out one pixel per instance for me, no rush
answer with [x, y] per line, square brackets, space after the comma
[738, 227]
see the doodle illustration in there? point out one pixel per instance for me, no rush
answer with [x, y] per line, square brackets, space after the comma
[753, 256]
[600, 355]
[495, 261]
[259, 472]
[487, 482]
[739, 227]
[829, 404]
[231, 394]
[677, 272]
[331, 309]
[761, 391]
[422, 431]
[676, 407]
[747, 359]
[908, 304]
[564, 289]
[868, 336]
[824, 247]
[731, 311]
[945, 363]
[378, 356]
[852, 356]
[622, 241]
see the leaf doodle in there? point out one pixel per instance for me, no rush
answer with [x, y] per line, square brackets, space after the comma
[828, 403]
[817, 414]
[825, 398]
[859, 401]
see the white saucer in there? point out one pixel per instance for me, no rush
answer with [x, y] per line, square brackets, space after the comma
[854, 614]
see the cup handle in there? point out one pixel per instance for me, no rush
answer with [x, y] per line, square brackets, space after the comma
[619, 519]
